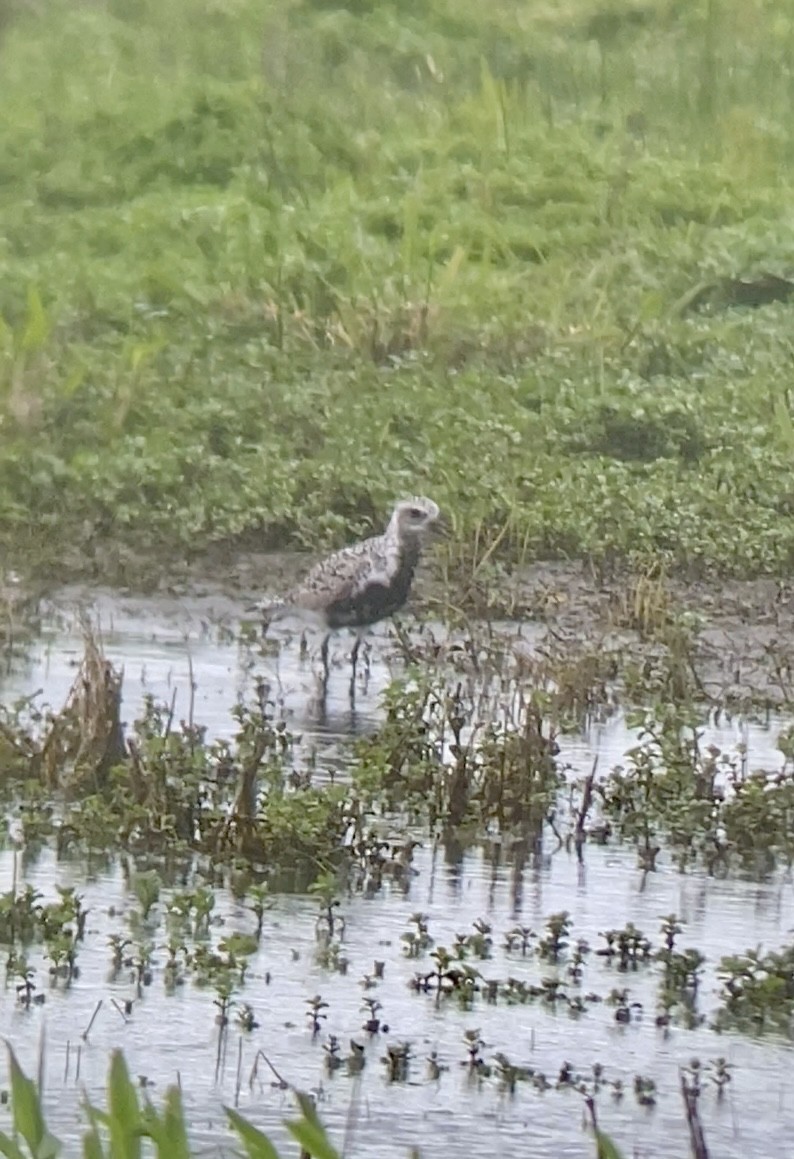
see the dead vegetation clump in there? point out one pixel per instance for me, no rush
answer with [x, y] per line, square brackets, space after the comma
[85, 740]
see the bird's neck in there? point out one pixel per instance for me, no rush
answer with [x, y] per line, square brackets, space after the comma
[406, 544]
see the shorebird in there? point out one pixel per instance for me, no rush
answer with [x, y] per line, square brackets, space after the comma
[362, 584]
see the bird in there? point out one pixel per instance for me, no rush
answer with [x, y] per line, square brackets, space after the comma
[364, 583]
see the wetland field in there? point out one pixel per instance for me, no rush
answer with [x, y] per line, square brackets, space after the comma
[525, 885]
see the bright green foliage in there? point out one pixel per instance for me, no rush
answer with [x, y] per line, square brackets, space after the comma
[28, 1119]
[263, 269]
[257, 1145]
[606, 1148]
[118, 1133]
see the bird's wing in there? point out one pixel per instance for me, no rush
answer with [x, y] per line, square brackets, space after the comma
[344, 575]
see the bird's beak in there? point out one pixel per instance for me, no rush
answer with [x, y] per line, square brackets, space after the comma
[441, 528]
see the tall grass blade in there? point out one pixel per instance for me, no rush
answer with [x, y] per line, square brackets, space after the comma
[9, 1148]
[606, 1149]
[257, 1145]
[37, 325]
[27, 1113]
[92, 1145]
[124, 1119]
[310, 1132]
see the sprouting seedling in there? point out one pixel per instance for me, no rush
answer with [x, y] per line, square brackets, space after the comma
[71, 909]
[203, 905]
[474, 1047]
[316, 1013]
[224, 1003]
[246, 1019]
[629, 945]
[173, 967]
[671, 928]
[555, 942]
[396, 1060]
[417, 940]
[118, 944]
[576, 964]
[644, 1090]
[720, 1074]
[693, 1073]
[146, 887]
[508, 1074]
[26, 988]
[551, 990]
[491, 990]
[141, 963]
[238, 948]
[62, 952]
[329, 923]
[520, 937]
[480, 942]
[261, 902]
[443, 960]
[356, 1059]
[373, 1024]
[333, 1055]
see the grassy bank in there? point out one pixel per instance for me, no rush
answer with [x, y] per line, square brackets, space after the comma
[264, 267]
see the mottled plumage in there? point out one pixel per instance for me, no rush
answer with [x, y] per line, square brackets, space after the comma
[365, 583]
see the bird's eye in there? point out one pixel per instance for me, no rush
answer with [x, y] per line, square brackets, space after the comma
[416, 512]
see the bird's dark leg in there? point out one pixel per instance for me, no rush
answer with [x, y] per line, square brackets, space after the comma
[354, 664]
[324, 655]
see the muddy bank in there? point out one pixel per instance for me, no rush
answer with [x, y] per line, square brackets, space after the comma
[737, 637]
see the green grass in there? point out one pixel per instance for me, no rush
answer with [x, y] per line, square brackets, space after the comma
[262, 269]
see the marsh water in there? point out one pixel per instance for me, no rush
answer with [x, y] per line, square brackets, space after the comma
[165, 645]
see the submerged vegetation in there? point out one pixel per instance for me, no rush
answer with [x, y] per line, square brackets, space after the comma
[264, 269]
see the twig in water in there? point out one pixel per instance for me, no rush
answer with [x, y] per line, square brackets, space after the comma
[587, 800]
[696, 1137]
[42, 1058]
[254, 1070]
[239, 1079]
[87, 1030]
[115, 1004]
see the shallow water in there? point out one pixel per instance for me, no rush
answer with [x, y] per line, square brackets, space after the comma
[161, 643]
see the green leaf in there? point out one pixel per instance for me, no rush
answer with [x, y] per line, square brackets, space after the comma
[37, 326]
[9, 1148]
[606, 1148]
[257, 1145]
[26, 1107]
[92, 1145]
[125, 1114]
[175, 1126]
[168, 1131]
[310, 1132]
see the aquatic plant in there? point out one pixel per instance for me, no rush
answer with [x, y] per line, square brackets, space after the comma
[757, 990]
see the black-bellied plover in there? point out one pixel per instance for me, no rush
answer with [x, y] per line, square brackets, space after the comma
[360, 585]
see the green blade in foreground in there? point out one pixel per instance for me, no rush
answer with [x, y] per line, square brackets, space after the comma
[28, 1117]
[606, 1148]
[257, 1145]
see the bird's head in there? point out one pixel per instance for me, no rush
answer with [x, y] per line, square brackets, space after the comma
[414, 516]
